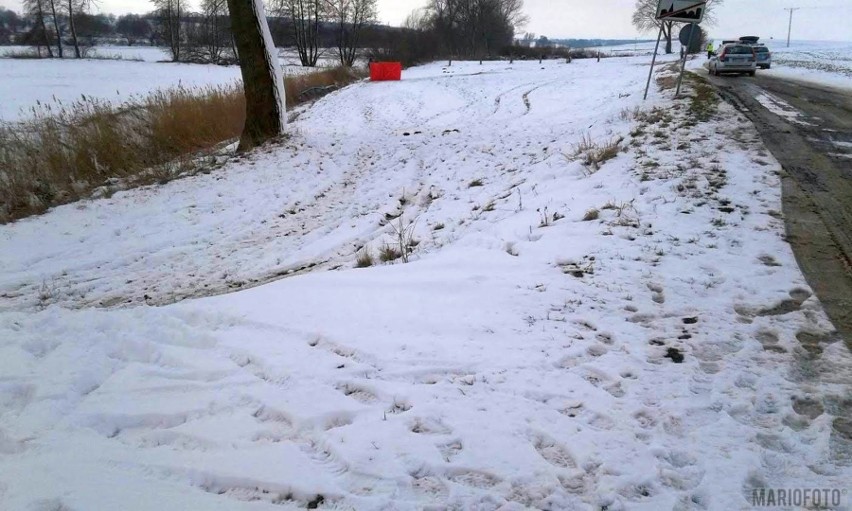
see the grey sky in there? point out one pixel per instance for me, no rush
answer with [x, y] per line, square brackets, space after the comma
[827, 20]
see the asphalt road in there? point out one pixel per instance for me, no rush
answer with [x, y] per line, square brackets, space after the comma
[808, 128]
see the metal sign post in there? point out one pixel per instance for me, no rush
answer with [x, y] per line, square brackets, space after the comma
[685, 55]
[683, 11]
[653, 61]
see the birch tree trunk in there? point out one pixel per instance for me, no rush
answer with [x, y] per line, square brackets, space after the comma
[263, 82]
[73, 28]
[56, 26]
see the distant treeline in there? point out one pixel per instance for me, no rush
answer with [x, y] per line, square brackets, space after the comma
[591, 43]
[441, 29]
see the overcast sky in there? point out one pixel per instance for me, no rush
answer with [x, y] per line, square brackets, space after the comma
[826, 20]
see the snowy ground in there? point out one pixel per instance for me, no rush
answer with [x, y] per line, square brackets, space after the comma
[819, 62]
[25, 83]
[524, 357]
[824, 62]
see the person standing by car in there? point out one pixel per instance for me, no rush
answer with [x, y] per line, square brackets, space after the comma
[709, 49]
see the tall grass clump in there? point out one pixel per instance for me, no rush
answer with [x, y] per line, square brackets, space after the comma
[305, 87]
[594, 154]
[63, 152]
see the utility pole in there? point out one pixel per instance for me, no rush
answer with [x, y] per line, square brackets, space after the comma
[790, 26]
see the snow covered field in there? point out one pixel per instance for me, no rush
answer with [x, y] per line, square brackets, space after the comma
[524, 358]
[25, 83]
[825, 62]
[820, 62]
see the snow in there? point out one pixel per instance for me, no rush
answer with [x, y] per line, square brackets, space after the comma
[827, 63]
[24, 83]
[781, 108]
[271, 57]
[823, 63]
[518, 360]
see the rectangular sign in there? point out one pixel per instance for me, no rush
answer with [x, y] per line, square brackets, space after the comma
[681, 11]
[383, 71]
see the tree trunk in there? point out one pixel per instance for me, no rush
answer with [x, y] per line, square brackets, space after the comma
[56, 26]
[44, 31]
[175, 24]
[667, 33]
[73, 28]
[263, 83]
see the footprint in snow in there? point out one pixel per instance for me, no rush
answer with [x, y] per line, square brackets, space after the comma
[680, 470]
[645, 418]
[253, 365]
[450, 450]
[358, 393]
[769, 340]
[430, 487]
[595, 420]
[798, 296]
[474, 478]
[343, 351]
[429, 426]
[554, 453]
[638, 491]
[601, 380]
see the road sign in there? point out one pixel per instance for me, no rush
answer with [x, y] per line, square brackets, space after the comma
[687, 32]
[682, 11]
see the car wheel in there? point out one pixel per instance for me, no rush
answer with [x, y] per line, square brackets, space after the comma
[768, 66]
[751, 73]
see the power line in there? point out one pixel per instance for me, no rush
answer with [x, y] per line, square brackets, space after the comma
[790, 26]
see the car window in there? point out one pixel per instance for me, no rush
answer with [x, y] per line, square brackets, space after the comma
[762, 49]
[739, 50]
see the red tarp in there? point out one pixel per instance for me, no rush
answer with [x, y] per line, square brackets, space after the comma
[380, 71]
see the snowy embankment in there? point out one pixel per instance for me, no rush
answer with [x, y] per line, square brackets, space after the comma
[664, 355]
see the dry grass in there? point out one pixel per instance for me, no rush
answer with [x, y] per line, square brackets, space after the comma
[306, 87]
[666, 82]
[594, 154]
[63, 152]
[365, 258]
[591, 214]
[667, 76]
[704, 100]
[388, 253]
[403, 235]
[629, 114]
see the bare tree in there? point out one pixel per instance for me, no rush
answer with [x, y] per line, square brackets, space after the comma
[208, 34]
[305, 17]
[169, 20]
[476, 27]
[444, 15]
[74, 8]
[38, 11]
[56, 26]
[10, 25]
[644, 19]
[350, 17]
[263, 82]
[133, 27]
